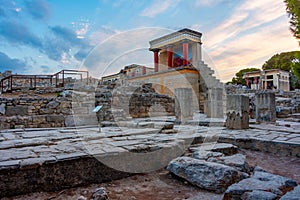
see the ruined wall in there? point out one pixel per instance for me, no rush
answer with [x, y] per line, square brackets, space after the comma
[76, 108]
[35, 112]
[121, 102]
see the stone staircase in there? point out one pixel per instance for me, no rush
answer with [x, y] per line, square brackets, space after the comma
[207, 75]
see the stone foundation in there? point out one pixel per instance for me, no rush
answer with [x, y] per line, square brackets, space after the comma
[51, 176]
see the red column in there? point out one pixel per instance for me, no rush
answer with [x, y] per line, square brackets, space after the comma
[170, 57]
[63, 78]
[247, 82]
[156, 60]
[185, 46]
[144, 70]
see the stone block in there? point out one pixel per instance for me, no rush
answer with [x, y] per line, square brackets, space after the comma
[83, 120]
[237, 161]
[17, 110]
[237, 112]
[2, 108]
[260, 181]
[265, 107]
[69, 121]
[183, 107]
[207, 175]
[214, 103]
[55, 118]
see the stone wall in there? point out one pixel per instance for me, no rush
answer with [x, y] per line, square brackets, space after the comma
[34, 112]
[75, 108]
[130, 101]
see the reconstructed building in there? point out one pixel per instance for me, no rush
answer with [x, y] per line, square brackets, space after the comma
[178, 64]
[273, 79]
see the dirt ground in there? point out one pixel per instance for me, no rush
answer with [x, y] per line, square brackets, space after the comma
[160, 185]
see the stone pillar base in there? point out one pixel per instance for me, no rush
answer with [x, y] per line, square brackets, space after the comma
[237, 112]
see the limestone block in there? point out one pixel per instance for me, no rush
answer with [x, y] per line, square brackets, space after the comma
[2, 108]
[17, 110]
[52, 104]
[183, 107]
[237, 161]
[265, 107]
[237, 112]
[207, 175]
[260, 181]
[214, 103]
[55, 118]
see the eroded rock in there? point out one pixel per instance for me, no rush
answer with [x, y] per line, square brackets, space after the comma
[204, 155]
[237, 161]
[207, 175]
[100, 194]
[260, 181]
[258, 194]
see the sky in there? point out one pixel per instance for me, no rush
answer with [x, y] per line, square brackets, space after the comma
[102, 36]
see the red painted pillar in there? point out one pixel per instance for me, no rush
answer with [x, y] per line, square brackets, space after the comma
[170, 57]
[185, 46]
[63, 78]
[156, 60]
[144, 70]
[247, 82]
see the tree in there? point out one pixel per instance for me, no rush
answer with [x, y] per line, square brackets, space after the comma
[283, 61]
[296, 68]
[293, 9]
[238, 79]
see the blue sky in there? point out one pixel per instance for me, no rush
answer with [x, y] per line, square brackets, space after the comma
[45, 36]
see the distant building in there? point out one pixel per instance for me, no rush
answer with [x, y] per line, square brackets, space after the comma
[128, 72]
[273, 79]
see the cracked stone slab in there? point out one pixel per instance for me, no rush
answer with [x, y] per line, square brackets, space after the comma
[10, 164]
[225, 148]
[15, 154]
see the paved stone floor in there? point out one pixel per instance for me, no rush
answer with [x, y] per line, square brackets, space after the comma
[28, 146]
[130, 150]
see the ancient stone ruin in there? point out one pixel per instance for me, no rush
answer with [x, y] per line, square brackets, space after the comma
[175, 121]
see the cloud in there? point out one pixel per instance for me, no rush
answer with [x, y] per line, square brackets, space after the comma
[64, 45]
[18, 33]
[38, 9]
[7, 63]
[158, 7]
[253, 49]
[101, 35]
[252, 34]
[119, 50]
[45, 69]
[207, 3]
[82, 54]
[66, 34]
[246, 16]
